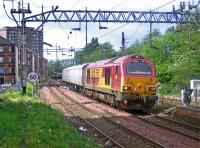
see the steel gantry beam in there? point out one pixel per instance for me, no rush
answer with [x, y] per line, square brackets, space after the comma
[113, 16]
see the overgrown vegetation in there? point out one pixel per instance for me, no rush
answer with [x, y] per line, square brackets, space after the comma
[177, 60]
[28, 122]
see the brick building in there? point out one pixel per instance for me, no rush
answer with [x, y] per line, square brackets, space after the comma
[34, 38]
[7, 61]
[34, 60]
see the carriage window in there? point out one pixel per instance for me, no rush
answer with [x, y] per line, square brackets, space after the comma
[138, 68]
[88, 76]
[107, 76]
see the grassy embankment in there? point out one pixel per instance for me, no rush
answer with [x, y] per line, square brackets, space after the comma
[29, 122]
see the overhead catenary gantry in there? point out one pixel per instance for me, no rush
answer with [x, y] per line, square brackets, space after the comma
[113, 16]
[56, 15]
[87, 16]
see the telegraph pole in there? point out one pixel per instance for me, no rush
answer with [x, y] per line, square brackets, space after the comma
[189, 26]
[86, 28]
[150, 34]
[123, 43]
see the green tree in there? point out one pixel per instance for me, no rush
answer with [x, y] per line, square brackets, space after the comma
[95, 52]
[176, 58]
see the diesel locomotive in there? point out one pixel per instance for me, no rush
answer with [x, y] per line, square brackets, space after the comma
[127, 82]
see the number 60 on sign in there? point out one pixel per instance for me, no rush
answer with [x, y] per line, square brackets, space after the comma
[32, 76]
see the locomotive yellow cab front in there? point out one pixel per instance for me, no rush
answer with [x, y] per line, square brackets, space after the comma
[141, 91]
[139, 83]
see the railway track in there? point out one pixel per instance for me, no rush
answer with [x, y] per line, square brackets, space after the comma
[175, 126]
[117, 134]
[66, 107]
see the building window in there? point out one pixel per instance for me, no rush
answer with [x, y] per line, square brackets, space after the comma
[1, 70]
[1, 49]
[1, 59]
[11, 59]
[8, 70]
[11, 49]
[13, 70]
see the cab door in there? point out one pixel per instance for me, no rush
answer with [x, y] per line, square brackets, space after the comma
[116, 77]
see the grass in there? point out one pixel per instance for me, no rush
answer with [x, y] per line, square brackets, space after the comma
[26, 121]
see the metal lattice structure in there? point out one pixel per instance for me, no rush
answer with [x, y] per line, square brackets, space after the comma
[112, 16]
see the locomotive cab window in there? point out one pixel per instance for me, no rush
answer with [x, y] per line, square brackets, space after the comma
[107, 76]
[138, 68]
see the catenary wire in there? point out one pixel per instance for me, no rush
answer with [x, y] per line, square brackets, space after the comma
[4, 6]
[128, 23]
[118, 4]
[75, 4]
[111, 31]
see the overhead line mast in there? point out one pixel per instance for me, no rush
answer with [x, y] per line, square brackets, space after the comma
[22, 10]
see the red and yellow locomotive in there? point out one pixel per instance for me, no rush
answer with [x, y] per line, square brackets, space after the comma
[128, 82]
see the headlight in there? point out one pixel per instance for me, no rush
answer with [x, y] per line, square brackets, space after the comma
[152, 88]
[126, 88]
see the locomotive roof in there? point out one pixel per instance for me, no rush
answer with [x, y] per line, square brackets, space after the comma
[115, 60]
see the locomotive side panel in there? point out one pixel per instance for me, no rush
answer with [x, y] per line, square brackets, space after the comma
[101, 79]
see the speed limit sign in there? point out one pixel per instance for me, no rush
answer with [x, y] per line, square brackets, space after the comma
[32, 76]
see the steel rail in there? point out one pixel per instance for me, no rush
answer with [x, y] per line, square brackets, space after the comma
[178, 122]
[93, 126]
[165, 127]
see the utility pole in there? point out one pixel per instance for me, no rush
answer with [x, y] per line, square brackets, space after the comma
[189, 26]
[57, 53]
[86, 28]
[150, 34]
[123, 44]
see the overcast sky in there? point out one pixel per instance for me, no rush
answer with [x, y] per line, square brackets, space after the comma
[55, 33]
